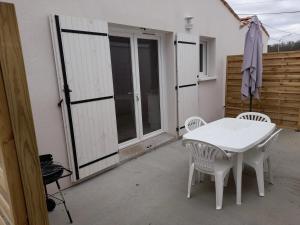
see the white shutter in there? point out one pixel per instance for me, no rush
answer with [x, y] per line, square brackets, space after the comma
[187, 72]
[85, 81]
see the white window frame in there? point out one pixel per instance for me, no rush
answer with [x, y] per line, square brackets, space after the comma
[208, 58]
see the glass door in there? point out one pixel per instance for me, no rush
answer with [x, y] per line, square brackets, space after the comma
[121, 60]
[148, 67]
[136, 79]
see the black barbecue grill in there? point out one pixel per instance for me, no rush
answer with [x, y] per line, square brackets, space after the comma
[52, 172]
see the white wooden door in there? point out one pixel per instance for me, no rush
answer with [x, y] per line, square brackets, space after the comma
[86, 86]
[187, 78]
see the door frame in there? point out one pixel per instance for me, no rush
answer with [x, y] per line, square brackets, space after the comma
[158, 38]
[134, 35]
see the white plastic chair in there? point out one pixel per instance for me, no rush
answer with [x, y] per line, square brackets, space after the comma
[254, 116]
[193, 122]
[208, 159]
[256, 159]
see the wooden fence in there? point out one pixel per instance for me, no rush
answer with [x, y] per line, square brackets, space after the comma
[22, 196]
[280, 94]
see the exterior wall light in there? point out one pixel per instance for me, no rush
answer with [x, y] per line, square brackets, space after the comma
[188, 22]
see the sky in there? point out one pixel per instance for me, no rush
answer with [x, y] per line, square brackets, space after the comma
[281, 27]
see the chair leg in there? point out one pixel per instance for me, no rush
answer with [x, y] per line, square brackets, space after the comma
[202, 176]
[191, 172]
[265, 166]
[194, 180]
[271, 180]
[234, 174]
[234, 169]
[219, 184]
[196, 177]
[199, 177]
[260, 179]
[226, 179]
[64, 202]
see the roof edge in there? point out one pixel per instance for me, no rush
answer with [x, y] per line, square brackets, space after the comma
[225, 3]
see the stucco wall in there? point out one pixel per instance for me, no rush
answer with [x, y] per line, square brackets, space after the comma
[212, 19]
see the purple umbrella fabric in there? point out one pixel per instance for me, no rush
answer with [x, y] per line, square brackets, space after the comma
[252, 62]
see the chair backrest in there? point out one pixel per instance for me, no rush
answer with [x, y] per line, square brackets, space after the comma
[204, 155]
[193, 122]
[265, 146]
[254, 116]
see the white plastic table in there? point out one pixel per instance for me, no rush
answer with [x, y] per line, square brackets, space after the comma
[233, 135]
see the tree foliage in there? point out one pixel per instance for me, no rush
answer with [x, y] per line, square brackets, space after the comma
[285, 46]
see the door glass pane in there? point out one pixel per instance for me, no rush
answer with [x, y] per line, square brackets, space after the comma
[149, 84]
[123, 87]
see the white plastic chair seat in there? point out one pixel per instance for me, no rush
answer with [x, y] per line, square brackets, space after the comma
[253, 157]
[254, 116]
[257, 157]
[209, 159]
[229, 154]
[193, 123]
[190, 124]
[222, 166]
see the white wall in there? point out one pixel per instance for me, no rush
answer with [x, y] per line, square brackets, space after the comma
[212, 19]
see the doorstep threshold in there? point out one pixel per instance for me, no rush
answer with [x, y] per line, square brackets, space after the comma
[138, 149]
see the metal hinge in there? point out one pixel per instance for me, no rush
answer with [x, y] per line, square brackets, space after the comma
[179, 128]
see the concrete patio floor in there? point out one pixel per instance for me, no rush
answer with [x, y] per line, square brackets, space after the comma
[151, 190]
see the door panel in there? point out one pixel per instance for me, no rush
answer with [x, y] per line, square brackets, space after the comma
[187, 72]
[87, 66]
[187, 59]
[86, 58]
[89, 120]
[149, 84]
[121, 60]
[187, 101]
[89, 109]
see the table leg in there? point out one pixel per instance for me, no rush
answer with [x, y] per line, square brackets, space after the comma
[238, 172]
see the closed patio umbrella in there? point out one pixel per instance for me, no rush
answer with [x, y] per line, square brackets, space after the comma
[252, 62]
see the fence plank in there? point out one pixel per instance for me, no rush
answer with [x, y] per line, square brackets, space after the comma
[17, 137]
[280, 94]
